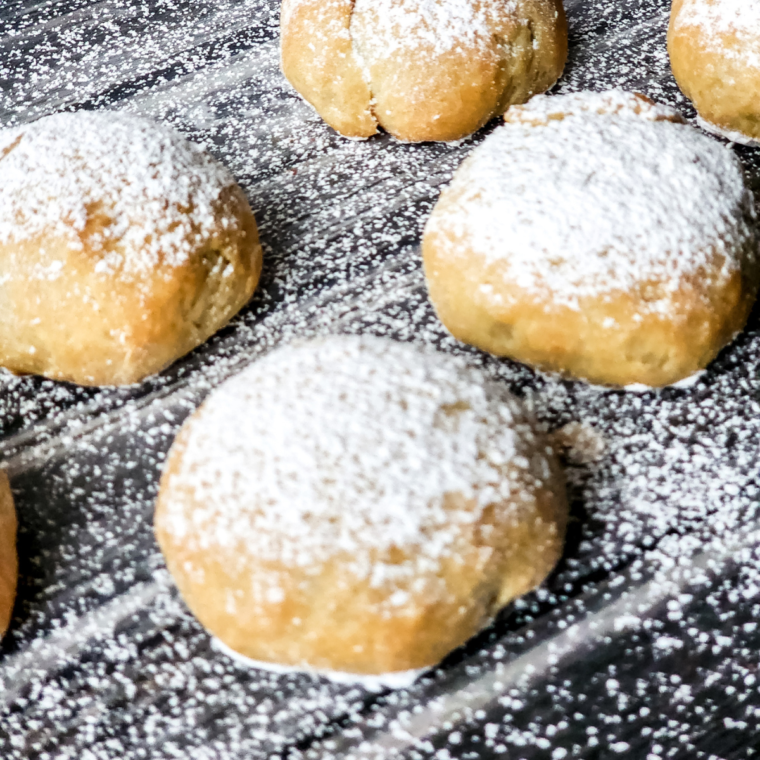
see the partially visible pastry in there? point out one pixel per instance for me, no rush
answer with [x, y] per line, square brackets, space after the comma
[597, 236]
[122, 247]
[357, 505]
[8, 557]
[420, 69]
[714, 48]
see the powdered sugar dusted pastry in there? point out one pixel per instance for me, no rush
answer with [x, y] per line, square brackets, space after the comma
[597, 236]
[420, 69]
[714, 48]
[122, 245]
[357, 505]
[8, 558]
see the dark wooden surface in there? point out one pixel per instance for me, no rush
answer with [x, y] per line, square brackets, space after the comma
[644, 642]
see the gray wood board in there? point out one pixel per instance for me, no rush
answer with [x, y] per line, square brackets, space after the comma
[644, 641]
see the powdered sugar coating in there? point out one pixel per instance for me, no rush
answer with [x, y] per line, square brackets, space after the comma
[583, 195]
[543, 108]
[349, 445]
[434, 27]
[329, 15]
[158, 191]
[676, 461]
[730, 27]
[399, 680]
[727, 134]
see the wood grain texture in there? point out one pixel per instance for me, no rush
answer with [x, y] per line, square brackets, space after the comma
[632, 648]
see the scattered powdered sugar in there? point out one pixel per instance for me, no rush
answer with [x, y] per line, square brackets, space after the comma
[340, 223]
[727, 134]
[582, 203]
[432, 27]
[728, 27]
[401, 679]
[350, 445]
[683, 384]
[541, 109]
[155, 193]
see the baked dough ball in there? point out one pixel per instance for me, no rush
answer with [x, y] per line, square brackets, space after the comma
[357, 505]
[714, 48]
[597, 236]
[122, 247]
[420, 69]
[8, 558]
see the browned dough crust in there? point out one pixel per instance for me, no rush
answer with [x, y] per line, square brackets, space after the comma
[419, 93]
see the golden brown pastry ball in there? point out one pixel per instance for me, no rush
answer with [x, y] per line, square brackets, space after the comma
[122, 247]
[357, 505]
[597, 236]
[8, 557]
[714, 48]
[420, 69]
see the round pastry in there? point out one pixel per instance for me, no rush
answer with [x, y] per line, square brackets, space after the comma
[421, 70]
[8, 558]
[714, 48]
[597, 236]
[122, 247]
[357, 505]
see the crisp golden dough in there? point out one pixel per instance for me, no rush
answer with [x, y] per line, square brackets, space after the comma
[538, 250]
[285, 507]
[123, 247]
[420, 70]
[8, 558]
[714, 48]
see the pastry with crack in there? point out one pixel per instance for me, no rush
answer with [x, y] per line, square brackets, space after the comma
[420, 69]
